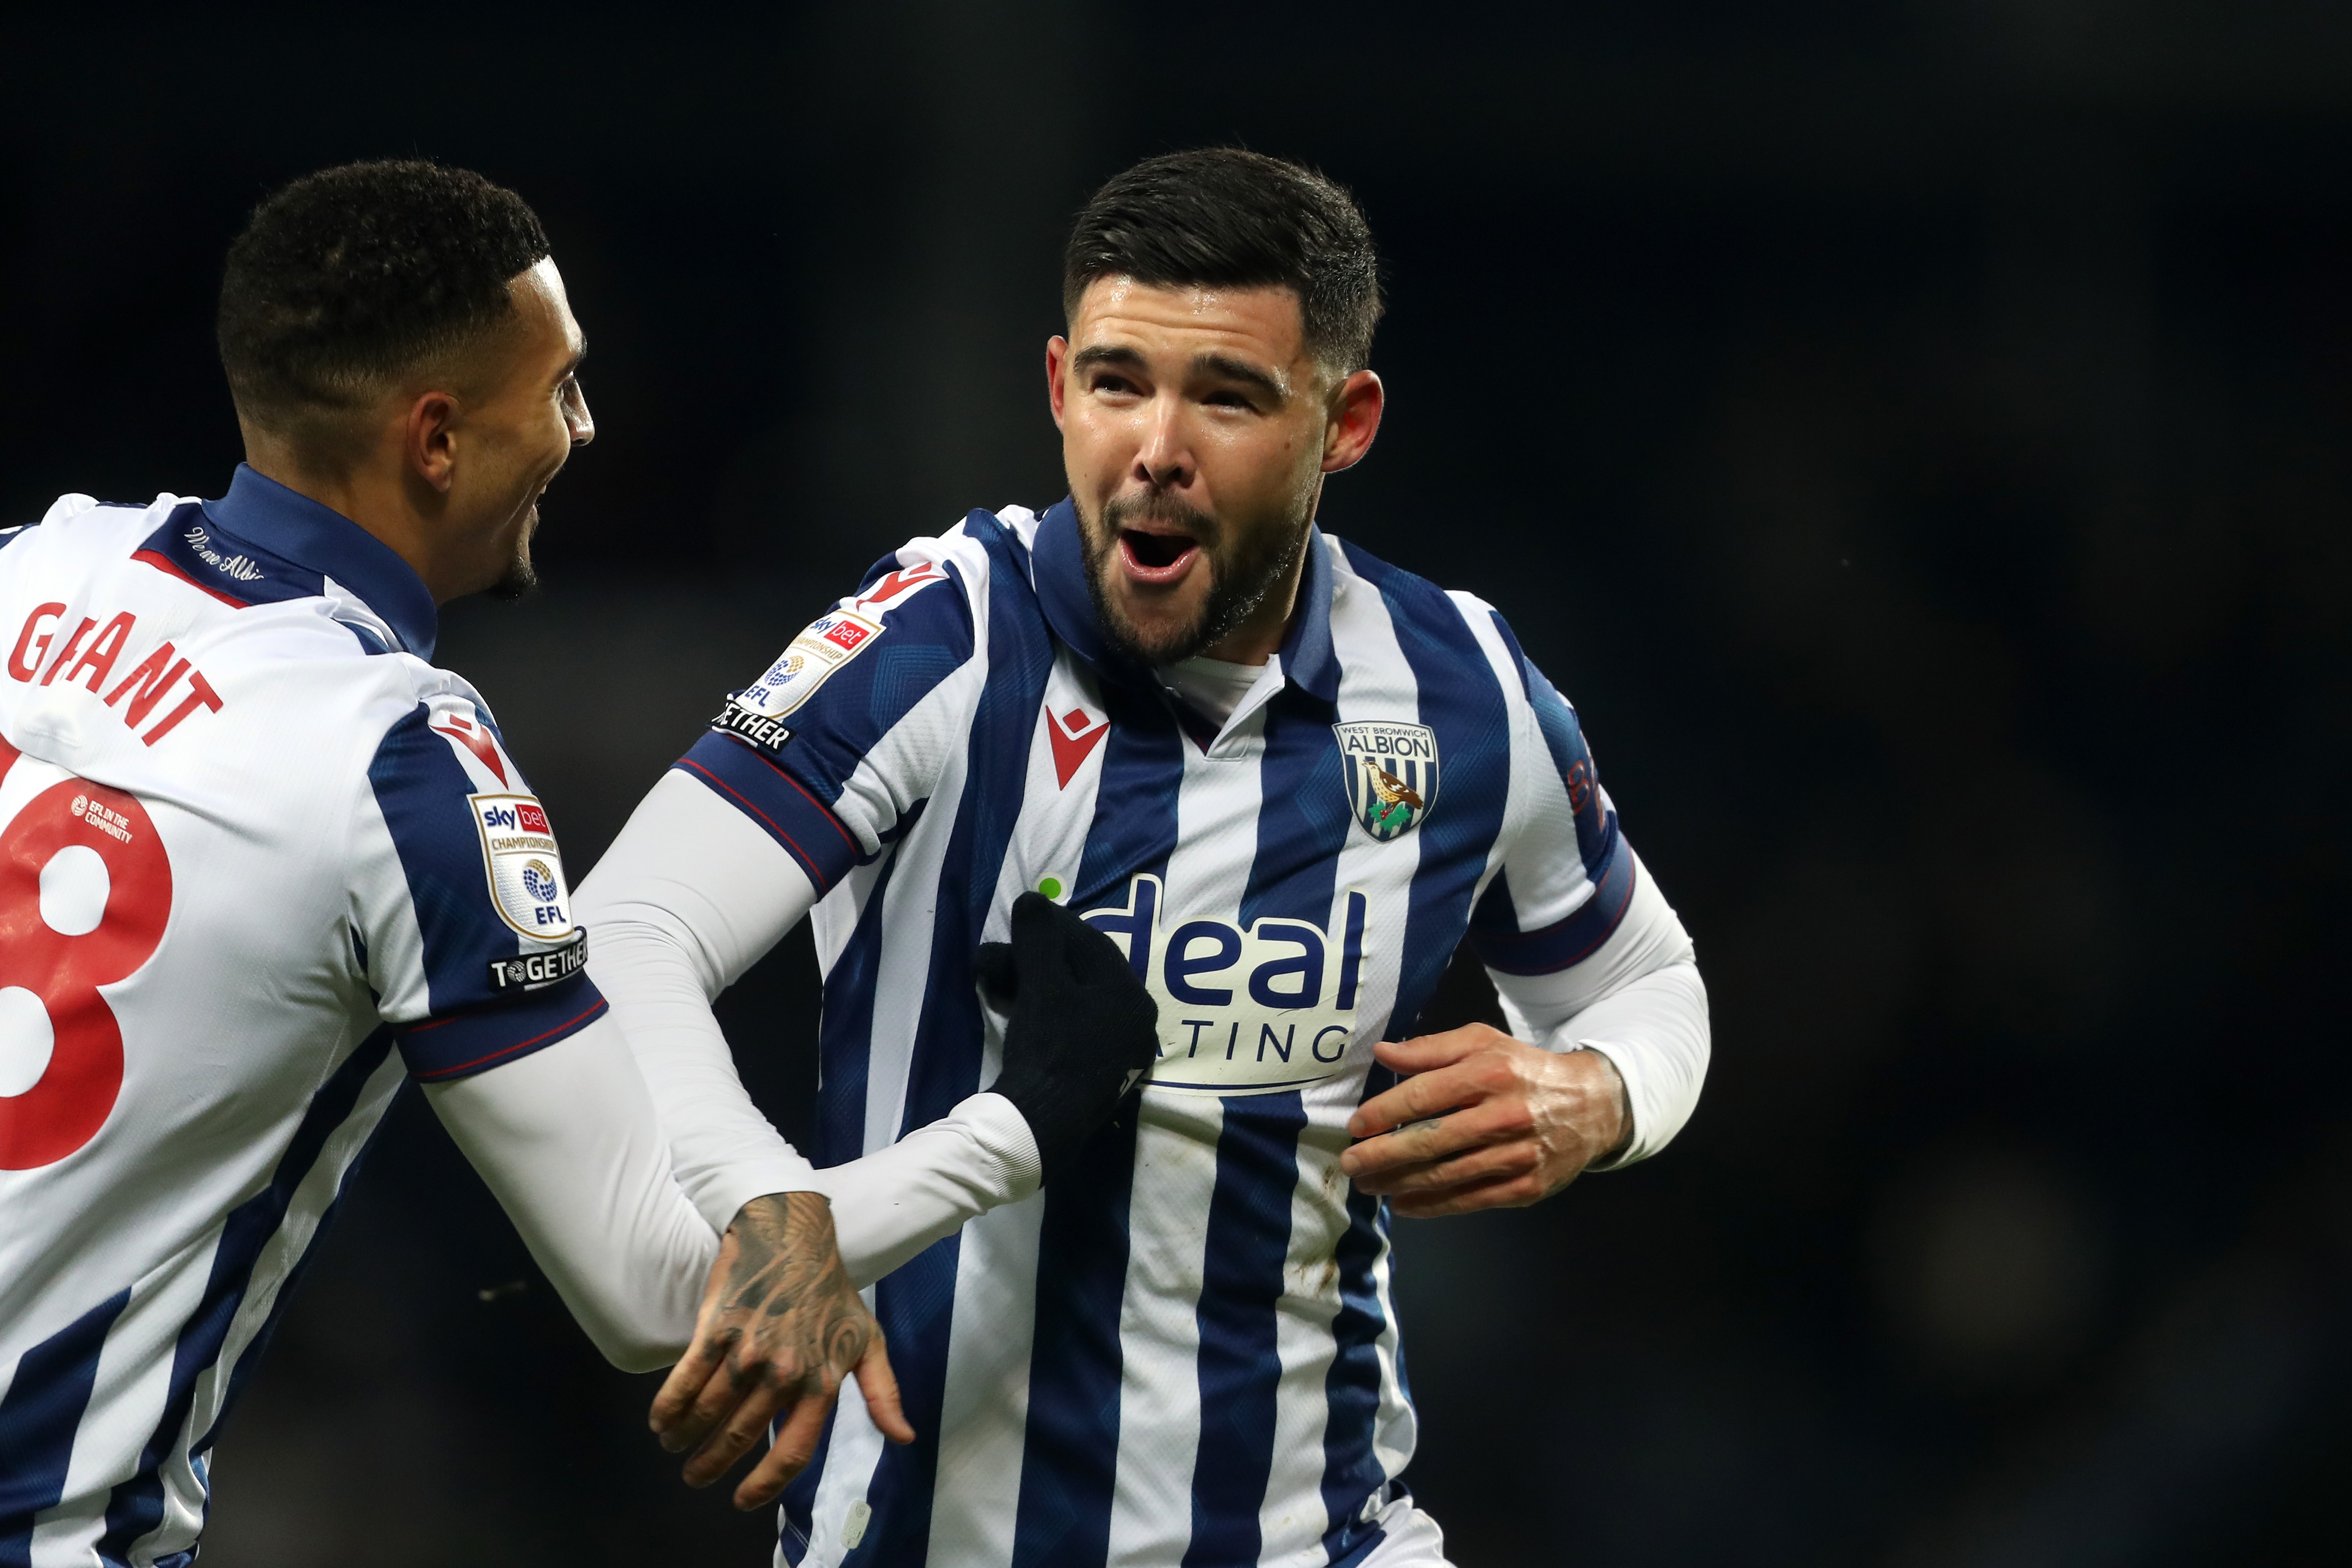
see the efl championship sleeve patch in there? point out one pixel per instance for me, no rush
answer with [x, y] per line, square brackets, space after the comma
[524, 867]
[829, 642]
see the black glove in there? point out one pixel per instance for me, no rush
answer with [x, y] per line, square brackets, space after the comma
[1084, 1030]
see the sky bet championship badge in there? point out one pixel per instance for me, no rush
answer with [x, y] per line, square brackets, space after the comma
[756, 714]
[526, 873]
[1392, 774]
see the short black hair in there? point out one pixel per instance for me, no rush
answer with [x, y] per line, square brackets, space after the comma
[1222, 217]
[348, 280]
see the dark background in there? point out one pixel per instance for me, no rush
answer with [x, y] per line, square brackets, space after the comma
[1914, 435]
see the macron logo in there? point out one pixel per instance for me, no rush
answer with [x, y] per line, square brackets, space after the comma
[477, 741]
[1075, 736]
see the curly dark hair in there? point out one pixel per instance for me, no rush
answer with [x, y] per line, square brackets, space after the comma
[349, 278]
[1221, 217]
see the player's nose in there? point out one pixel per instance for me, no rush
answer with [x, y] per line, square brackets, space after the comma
[582, 423]
[1165, 457]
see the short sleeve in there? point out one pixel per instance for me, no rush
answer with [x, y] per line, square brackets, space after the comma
[462, 917]
[1568, 876]
[841, 740]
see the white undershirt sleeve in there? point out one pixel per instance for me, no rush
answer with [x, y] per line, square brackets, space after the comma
[687, 899]
[1638, 1000]
[568, 1143]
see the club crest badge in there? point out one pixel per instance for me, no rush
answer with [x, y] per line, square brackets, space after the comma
[1390, 772]
[525, 870]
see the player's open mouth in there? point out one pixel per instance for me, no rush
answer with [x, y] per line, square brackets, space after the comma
[1156, 558]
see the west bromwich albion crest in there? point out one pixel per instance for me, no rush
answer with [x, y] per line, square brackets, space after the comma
[1391, 770]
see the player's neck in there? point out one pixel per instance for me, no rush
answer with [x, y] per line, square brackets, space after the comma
[377, 501]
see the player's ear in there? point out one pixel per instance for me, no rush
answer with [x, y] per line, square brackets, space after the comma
[430, 438]
[1355, 420]
[1057, 352]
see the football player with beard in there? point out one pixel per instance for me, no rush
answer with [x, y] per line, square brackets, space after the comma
[1288, 780]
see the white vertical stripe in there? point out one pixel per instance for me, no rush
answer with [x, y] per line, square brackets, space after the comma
[1175, 1179]
[126, 1401]
[909, 911]
[1291, 1521]
[984, 1408]
[1159, 1329]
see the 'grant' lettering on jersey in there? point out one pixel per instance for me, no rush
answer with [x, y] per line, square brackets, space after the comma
[1243, 1010]
[89, 661]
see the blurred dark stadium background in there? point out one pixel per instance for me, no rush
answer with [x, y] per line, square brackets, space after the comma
[1914, 434]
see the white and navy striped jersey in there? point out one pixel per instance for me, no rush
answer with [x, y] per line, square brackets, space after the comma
[260, 859]
[1184, 1351]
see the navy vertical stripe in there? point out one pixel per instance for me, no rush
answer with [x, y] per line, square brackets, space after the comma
[1240, 1364]
[38, 1420]
[1351, 1469]
[422, 791]
[916, 1304]
[1571, 755]
[1302, 825]
[136, 1506]
[1070, 1450]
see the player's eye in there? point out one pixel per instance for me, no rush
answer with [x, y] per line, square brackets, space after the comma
[1108, 381]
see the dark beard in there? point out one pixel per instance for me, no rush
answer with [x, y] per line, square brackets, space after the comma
[521, 577]
[1241, 573]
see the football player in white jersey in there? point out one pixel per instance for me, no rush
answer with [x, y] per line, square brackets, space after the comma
[1289, 779]
[260, 862]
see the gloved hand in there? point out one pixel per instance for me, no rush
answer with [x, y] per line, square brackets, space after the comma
[1083, 1030]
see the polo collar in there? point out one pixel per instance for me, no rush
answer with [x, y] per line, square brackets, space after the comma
[1307, 661]
[287, 523]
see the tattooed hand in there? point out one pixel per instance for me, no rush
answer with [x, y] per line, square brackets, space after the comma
[779, 1330]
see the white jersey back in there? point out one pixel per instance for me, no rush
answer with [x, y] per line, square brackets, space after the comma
[251, 841]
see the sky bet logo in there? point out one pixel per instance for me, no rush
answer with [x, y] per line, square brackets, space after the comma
[1242, 1011]
[519, 818]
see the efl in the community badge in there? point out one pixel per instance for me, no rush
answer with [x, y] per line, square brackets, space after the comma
[1392, 774]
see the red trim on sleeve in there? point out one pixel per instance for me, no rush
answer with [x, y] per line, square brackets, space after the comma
[566, 1027]
[815, 872]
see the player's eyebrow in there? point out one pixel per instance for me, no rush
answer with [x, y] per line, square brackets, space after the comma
[572, 366]
[1094, 355]
[1234, 370]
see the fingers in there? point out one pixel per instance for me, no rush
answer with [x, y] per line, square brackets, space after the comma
[1420, 1143]
[1504, 1192]
[788, 1454]
[679, 1390]
[1424, 1052]
[1416, 1098]
[731, 1389]
[752, 1401]
[879, 1386]
[1487, 1163]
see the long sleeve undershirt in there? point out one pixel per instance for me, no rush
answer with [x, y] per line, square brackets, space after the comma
[692, 894]
[568, 1143]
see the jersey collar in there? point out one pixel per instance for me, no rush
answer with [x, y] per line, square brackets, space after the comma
[1307, 661]
[260, 509]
